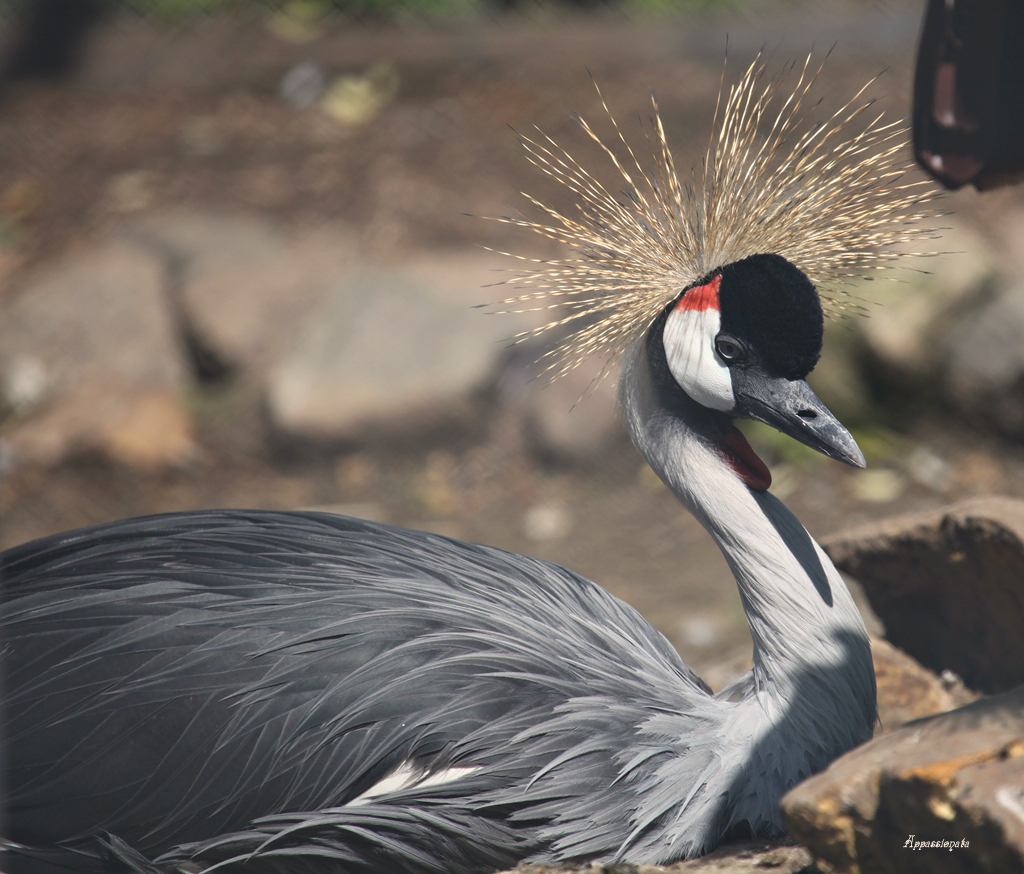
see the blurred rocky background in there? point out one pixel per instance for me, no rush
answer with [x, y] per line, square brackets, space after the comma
[241, 255]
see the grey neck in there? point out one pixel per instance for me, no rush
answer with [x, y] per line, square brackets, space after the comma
[810, 643]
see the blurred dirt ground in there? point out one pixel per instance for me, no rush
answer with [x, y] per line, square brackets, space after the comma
[193, 118]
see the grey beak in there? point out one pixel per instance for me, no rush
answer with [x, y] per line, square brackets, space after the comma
[790, 406]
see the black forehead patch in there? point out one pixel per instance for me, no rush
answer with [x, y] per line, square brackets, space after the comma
[774, 307]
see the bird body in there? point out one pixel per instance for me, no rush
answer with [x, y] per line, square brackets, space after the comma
[245, 664]
[270, 692]
[217, 684]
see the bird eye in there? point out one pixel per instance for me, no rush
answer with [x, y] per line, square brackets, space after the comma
[728, 350]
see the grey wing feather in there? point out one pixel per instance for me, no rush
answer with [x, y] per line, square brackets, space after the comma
[225, 683]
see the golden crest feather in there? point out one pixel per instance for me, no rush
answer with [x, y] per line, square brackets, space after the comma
[829, 196]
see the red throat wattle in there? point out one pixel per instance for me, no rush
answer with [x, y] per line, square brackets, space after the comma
[740, 456]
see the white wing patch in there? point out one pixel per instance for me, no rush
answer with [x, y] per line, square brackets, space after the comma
[689, 338]
[409, 775]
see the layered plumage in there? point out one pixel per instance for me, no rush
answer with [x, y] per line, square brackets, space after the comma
[287, 663]
[268, 692]
[231, 682]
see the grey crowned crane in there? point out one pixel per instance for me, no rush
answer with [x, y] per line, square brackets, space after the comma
[301, 692]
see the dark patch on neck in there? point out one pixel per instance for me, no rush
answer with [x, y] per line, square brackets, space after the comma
[771, 305]
[802, 547]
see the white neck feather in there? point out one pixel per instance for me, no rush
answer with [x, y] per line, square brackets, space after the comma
[806, 629]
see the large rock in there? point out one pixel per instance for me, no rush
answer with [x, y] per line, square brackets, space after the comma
[986, 361]
[244, 287]
[573, 419]
[395, 348]
[948, 586]
[143, 427]
[252, 312]
[908, 691]
[743, 857]
[198, 241]
[910, 320]
[950, 330]
[939, 795]
[90, 359]
[986, 367]
[97, 353]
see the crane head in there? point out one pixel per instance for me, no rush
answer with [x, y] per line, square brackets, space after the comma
[741, 341]
[830, 196]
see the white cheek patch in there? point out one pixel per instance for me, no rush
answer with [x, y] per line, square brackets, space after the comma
[689, 339]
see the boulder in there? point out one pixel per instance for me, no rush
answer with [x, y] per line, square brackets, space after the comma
[948, 586]
[197, 241]
[392, 348]
[910, 316]
[985, 373]
[251, 312]
[236, 288]
[941, 794]
[90, 359]
[907, 690]
[743, 857]
[140, 426]
[573, 419]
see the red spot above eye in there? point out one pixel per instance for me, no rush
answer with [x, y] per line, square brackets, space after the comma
[701, 297]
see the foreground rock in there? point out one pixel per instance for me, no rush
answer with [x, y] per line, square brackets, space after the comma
[948, 586]
[942, 794]
[907, 690]
[745, 857]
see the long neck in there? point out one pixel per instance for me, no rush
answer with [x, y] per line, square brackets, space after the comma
[810, 644]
